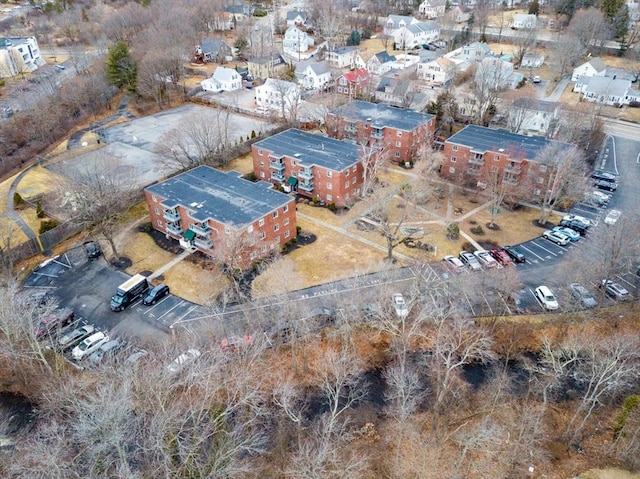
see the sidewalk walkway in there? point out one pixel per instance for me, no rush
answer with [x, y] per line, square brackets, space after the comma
[169, 265]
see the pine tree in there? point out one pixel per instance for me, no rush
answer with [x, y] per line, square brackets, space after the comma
[122, 70]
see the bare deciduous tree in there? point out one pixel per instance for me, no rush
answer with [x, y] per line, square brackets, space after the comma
[590, 27]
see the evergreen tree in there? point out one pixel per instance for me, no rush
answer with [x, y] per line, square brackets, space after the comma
[534, 8]
[122, 70]
[354, 38]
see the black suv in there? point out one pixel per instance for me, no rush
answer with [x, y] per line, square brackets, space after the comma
[92, 249]
[158, 292]
[575, 225]
[516, 255]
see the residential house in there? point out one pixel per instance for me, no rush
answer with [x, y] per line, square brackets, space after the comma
[266, 66]
[313, 75]
[524, 21]
[394, 90]
[532, 60]
[221, 21]
[240, 11]
[223, 79]
[605, 90]
[353, 83]
[396, 22]
[440, 71]
[476, 153]
[498, 74]
[297, 18]
[405, 62]
[278, 95]
[457, 14]
[311, 165]
[400, 132]
[380, 63]
[296, 41]
[432, 9]
[474, 52]
[415, 35]
[222, 215]
[594, 67]
[215, 50]
[530, 116]
[345, 57]
[19, 55]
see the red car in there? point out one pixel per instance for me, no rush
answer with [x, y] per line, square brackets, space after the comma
[232, 343]
[54, 321]
[501, 256]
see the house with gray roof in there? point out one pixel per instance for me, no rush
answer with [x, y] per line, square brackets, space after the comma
[594, 67]
[401, 132]
[215, 50]
[473, 52]
[296, 41]
[476, 153]
[312, 165]
[313, 75]
[415, 35]
[265, 66]
[296, 17]
[223, 79]
[524, 21]
[605, 90]
[221, 214]
[345, 57]
[395, 90]
[530, 116]
[395, 22]
[380, 63]
[432, 9]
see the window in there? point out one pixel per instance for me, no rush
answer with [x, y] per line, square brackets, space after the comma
[263, 235]
[399, 133]
[494, 169]
[285, 208]
[329, 174]
[329, 186]
[276, 227]
[397, 154]
[159, 223]
[264, 249]
[453, 159]
[277, 241]
[536, 192]
[540, 180]
[250, 229]
[353, 181]
[286, 221]
[262, 174]
[452, 170]
[227, 230]
[355, 168]
[329, 197]
[287, 234]
[253, 255]
[543, 168]
[455, 147]
[156, 211]
[261, 222]
[154, 199]
[259, 151]
[261, 162]
[398, 144]
[346, 196]
[275, 214]
[496, 158]
[293, 163]
[346, 173]
[346, 185]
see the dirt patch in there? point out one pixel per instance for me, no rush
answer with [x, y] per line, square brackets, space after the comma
[608, 474]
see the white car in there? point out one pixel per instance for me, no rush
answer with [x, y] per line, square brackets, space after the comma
[612, 217]
[556, 237]
[179, 362]
[586, 221]
[486, 259]
[89, 345]
[454, 262]
[546, 298]
[400, 305]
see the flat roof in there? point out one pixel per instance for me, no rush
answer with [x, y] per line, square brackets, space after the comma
[382, 115]
[482, 139]
[222, 196]
[311, 149]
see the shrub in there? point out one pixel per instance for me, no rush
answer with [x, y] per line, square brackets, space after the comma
[18, 200]
[332, 207]
[298, 229]
[253, 133]
[315, 200]
[477, 230]
[47, 225]
[453, 231]
[39, 210]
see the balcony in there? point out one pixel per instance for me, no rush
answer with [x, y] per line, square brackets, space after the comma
[474, 171]
[476, 160]
[351, 128]
[305, 185]
[171, 215]
[201, 229]
[174, 229]
[204, 243]
[277, 177]
[377, 134]
[306, 174]
[276, 165]
[513, 169]
[510, 181]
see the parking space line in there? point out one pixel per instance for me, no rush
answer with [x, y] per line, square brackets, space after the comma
[469, 303]
[63, 264]
[548, 251]
[488, 305]
[527, 249]
[625, 280]
[506, 305]
[157, 304]
[169, 310]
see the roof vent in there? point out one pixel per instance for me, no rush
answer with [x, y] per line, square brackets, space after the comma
[368, 119]
[194, 204]
[297, 155]
[501, 150]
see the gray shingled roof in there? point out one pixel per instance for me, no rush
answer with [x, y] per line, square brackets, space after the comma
[384, 57]
[213, 45]
[535, 104]
[310, 149]
[482, 140]
[318, 67]
[344, 50]
[398, 18]
[607, 86]
[292, 14]
[598, 64]
[382, 115]
[417, 28]
[218, 195]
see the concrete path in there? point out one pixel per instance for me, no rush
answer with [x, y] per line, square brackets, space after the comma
[11, 212]
[559, 89]
[169, 265]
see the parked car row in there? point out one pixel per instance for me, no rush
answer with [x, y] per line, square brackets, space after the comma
[483, 259]
[581, 294]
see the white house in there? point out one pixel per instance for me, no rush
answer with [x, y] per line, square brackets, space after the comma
[19, 55]
[296, 17]
[606, 90]
[415, 35]
[432, 9]
[530, 116]
[313, 75]
[594, 67]
[278, 95]
[498, 74]
[345, 57]
[296, 41]
[396, 22]
[524, 21]
[458, 14]
[404, 62]
[474, 52]
[380, 63]
[223, 79]
[532, 60]
[440, 71]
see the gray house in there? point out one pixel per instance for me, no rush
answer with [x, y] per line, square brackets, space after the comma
[216, 50]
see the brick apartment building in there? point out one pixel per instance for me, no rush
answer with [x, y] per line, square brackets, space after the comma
[221, 213]
[311, 165]
[475, 153]
[400, 131]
